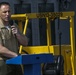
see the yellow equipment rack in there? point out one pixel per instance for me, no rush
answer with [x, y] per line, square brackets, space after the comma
[68, 51]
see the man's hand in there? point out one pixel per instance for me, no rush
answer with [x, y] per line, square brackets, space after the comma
[14, 29]
[23, 40]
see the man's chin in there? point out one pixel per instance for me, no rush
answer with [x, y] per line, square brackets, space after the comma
[6, 21]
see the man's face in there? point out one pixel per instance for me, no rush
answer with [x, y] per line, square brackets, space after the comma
[5, 13]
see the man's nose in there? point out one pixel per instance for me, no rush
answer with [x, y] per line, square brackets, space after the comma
[7, 13]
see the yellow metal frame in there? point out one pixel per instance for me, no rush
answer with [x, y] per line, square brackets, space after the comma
[68, 51]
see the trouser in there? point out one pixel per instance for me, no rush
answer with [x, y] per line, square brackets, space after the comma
[10, 69]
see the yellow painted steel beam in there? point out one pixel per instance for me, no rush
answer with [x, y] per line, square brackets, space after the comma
[44, 49]
[42, 15]
[21, 17]
[48, 31]
[72, 41]
[24, 32]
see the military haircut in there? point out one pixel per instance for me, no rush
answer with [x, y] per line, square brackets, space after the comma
[4, 3]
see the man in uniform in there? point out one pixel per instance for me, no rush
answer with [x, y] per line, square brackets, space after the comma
[10, 36]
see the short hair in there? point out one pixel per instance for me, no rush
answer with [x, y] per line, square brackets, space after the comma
[4, 3]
